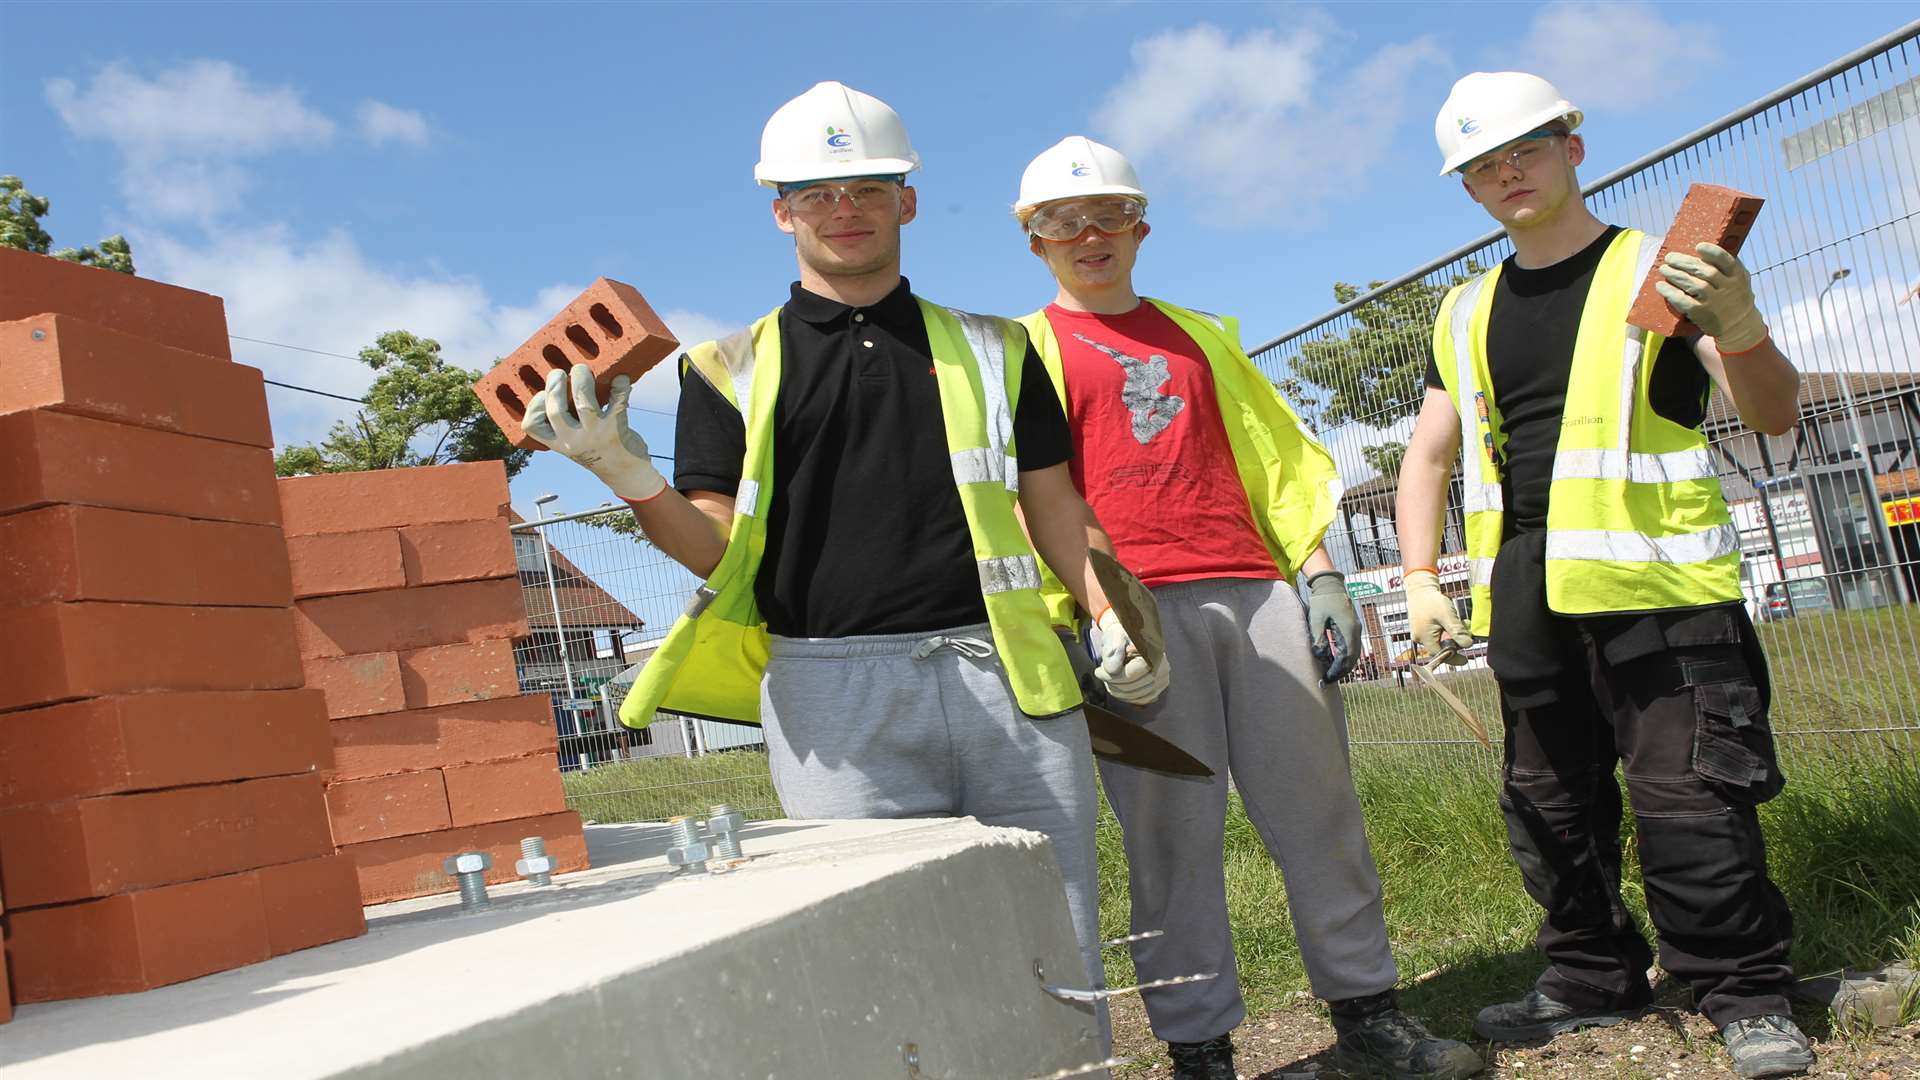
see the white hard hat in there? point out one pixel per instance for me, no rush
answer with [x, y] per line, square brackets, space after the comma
[830, 132]
[1489, 108]
[1077, 166]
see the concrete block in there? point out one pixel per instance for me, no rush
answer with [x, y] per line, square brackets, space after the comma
[391, 498]
[504, 790]
[88, 553]
[58, 458]
[408, 866]
[384, 806]
[364, 685]
[311, 903]
[144, 742]
[402, 619]
[142, 307]
[445, 674]
[327, 564]
[60, 652]
[1709, 214]
[68, 364]
[609, 327]
[112, 844]
[458, 551]
[448, 735]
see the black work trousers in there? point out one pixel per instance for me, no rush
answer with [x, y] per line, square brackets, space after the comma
[1686, 718]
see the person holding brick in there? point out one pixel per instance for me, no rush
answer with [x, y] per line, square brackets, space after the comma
[851, 474]
[1594, 517]
[1164, 407]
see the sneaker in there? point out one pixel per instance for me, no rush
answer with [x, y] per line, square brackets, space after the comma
[1210, 1060]
[1537, 1016]
[1767, 1046]
[1377, 1039]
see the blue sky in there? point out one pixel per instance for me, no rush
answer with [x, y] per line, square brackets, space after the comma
[339, 170]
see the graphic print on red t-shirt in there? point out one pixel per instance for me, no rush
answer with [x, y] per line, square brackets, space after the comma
[1150, 451]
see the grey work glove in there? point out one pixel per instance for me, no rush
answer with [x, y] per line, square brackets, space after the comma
[1713, 292]
[567, 416]
[1332, 624]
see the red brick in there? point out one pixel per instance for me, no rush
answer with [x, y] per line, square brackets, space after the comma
[118, 843]
[390, 498]
[405, 866]
[449, 735]
[59, 652]
[361, 685]
[610, 327]
[89, 553]
[504, 790]
[168, 314]
[56, 458]
[446, 674]
[334, 563]
[139, 940]
[71, 365]
[1709, 214]
[143, 742]
[384, 806]
[311, 903]
[460, 551]
[410, 618]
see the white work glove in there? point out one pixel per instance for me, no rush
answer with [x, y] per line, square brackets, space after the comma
[1713, 292]
[599, 439]
[1430, 614]
[1121, 667]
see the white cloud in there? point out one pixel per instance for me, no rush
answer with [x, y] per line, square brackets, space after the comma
[1263, 126]
[1611, 56]
[381, 123]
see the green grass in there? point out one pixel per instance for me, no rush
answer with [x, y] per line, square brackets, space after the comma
[655, 789]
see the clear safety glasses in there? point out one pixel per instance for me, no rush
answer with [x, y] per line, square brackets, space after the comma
[1067, 220]
[818, 199]
[1523, 154]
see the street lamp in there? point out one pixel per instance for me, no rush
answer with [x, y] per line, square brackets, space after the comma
[1846, 389]
[553, 594]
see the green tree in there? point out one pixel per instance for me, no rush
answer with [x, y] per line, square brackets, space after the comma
[1375, 373]
[1385, 457]
[420, 410]
[20, 214]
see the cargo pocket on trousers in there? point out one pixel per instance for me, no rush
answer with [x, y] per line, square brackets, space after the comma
[1732, 742]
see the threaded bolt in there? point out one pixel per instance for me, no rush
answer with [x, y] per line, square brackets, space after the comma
[727, 846]
[534, 864]
[689, 847]
[469, 868]
[725, 823]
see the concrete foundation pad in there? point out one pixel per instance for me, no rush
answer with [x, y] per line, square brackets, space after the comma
[843, 949]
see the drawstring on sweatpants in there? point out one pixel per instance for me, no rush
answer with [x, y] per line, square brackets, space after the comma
[965, 646]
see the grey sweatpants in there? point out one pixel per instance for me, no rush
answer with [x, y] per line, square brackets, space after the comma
[925, 725]
[1246, 700]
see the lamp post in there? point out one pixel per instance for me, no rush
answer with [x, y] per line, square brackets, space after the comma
[553, 594]
[1846, 389]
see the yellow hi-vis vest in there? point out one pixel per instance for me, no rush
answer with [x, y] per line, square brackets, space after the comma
[711, 662]
[1291, 483]
[1635, 517]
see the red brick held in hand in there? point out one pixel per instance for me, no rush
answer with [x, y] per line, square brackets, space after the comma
[1710, 214]
[449, 735]
[71, 553]
[60, 652]
[56, 458]
[610, 327]
[70, 365]
[386, 806]
[504, 790]
[328, 564]
[311, 903]
[410, 618]
[110, 844]
[445, 674]
[364, 684]
[138, 940]
[406, 866]
[391, 498]
[144, 742]
[458, 551]
[168, 314]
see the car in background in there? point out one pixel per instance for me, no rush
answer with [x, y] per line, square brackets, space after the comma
[1800, 596]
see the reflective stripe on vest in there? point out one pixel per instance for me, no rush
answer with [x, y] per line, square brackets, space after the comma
[990, 354]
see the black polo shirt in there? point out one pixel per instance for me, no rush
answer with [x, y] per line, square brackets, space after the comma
[865, 534]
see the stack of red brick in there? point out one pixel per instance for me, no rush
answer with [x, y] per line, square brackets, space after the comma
[408, 601]
[161, 809]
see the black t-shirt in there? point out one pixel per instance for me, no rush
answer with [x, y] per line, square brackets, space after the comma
[1530, 337]
[865, 534]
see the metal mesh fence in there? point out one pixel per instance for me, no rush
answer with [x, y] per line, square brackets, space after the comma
[1826, 513]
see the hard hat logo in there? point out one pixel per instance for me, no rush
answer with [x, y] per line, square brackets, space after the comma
[1079, 169]
[1468, 125]
[838, 138]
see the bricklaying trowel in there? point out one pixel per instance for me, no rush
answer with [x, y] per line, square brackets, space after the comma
[1428, 675]
[1114, 737]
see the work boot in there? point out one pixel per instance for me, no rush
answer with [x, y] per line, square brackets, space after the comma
[1377, 1039]
[1537, 1016]
[1767, 1046]
[1210, 1060]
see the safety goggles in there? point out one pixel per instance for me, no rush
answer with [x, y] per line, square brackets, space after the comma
[1523, 153]
[1067, 220]
[864, 192]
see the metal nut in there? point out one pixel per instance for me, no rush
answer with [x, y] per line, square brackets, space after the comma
[692, 853]
[527, 867]
[726, 823]
[468, 862]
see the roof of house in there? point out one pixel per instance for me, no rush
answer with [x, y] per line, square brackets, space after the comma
[583, 603]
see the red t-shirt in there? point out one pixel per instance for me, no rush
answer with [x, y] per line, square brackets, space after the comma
[1150, 452]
